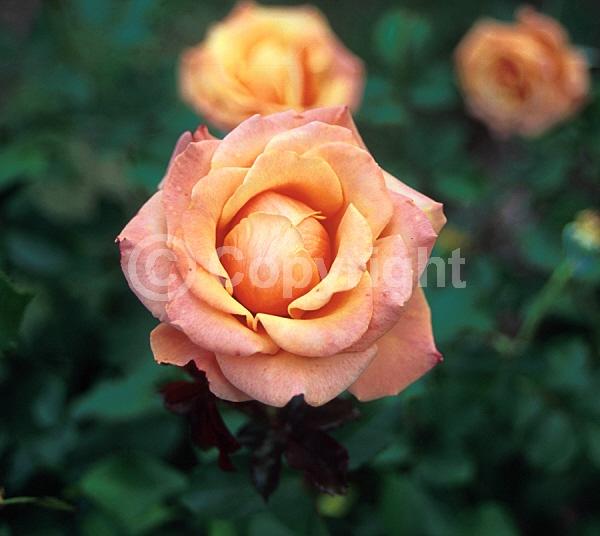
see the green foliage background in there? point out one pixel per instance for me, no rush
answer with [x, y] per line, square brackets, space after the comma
[493, 442]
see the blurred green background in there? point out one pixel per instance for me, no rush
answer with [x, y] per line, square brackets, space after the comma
[493, 442]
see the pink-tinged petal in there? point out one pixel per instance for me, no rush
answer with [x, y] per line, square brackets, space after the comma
[412, 224]
[247, 141]
[266, 259]
[354, 248]
[316, 241]
[404, 354]
[432, 209]
[310, 180]
[210, 328]
[274, 203]
[546, 29]
[275, 379]
[243, 144]
[393, 283]
[329, 330]
[204, 285]
[335, 115]
[347, 85]
[200, 134]
[189, 167]
[199, 220]
[145, 259]
[308, 136]
[361, 179]
[184, 140]
[169, 345]
[207, 86]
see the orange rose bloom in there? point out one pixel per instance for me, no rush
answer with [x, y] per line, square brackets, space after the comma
[521, 78]
[265, 60]
[282, 261]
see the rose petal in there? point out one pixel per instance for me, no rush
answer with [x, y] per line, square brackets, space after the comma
[200, 134]
[310, 180]
[276, 379]
[347, 85]
[184, 172]
[145, 259]
[316, 241]
[210, 328]
[266, 259]
[206, 84]
[393, 283]
[361, 179]
[432, 209]
[273, 73]
[169, 345]
[412, 224]
[274, 203]
[548, 30]
[308, 136]
[354, 248]
[329, 330]
[245, 143]
[206, 286]
[404, 354]
[183, 141]
[199, 221]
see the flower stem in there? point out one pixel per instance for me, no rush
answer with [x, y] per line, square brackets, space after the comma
[550, 292]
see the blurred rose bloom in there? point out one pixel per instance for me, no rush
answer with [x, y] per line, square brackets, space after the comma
[268, 59]
[283, 261]
[521, 78]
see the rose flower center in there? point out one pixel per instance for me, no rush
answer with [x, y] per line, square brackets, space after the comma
[509, 76]
[275, 251]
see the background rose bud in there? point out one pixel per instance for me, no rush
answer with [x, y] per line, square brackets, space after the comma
[268, 59]
[293, 190]
[521, 78]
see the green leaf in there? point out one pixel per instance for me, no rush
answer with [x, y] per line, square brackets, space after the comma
[14, 302]
[592, 435]
[21, 161]
[266, 523]
[51, 503]
[124, 398]
[456, 310]
[370, 434]
[133, 27]
[568, 366]
[447, 469]
[294, 507]
[401, 35]
[463, 186]
[36, 253]
[381, 106]
[407, 509]
[212, 492]
[221, 527]
[133, 487]
[551, 170]
[435, 88]
[491, 519]
[395, 454]
[552, 444]
[541, 247]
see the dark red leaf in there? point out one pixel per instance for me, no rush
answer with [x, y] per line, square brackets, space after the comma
[179, 397]
[331, 415]
[195, 401]
[322, 459]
